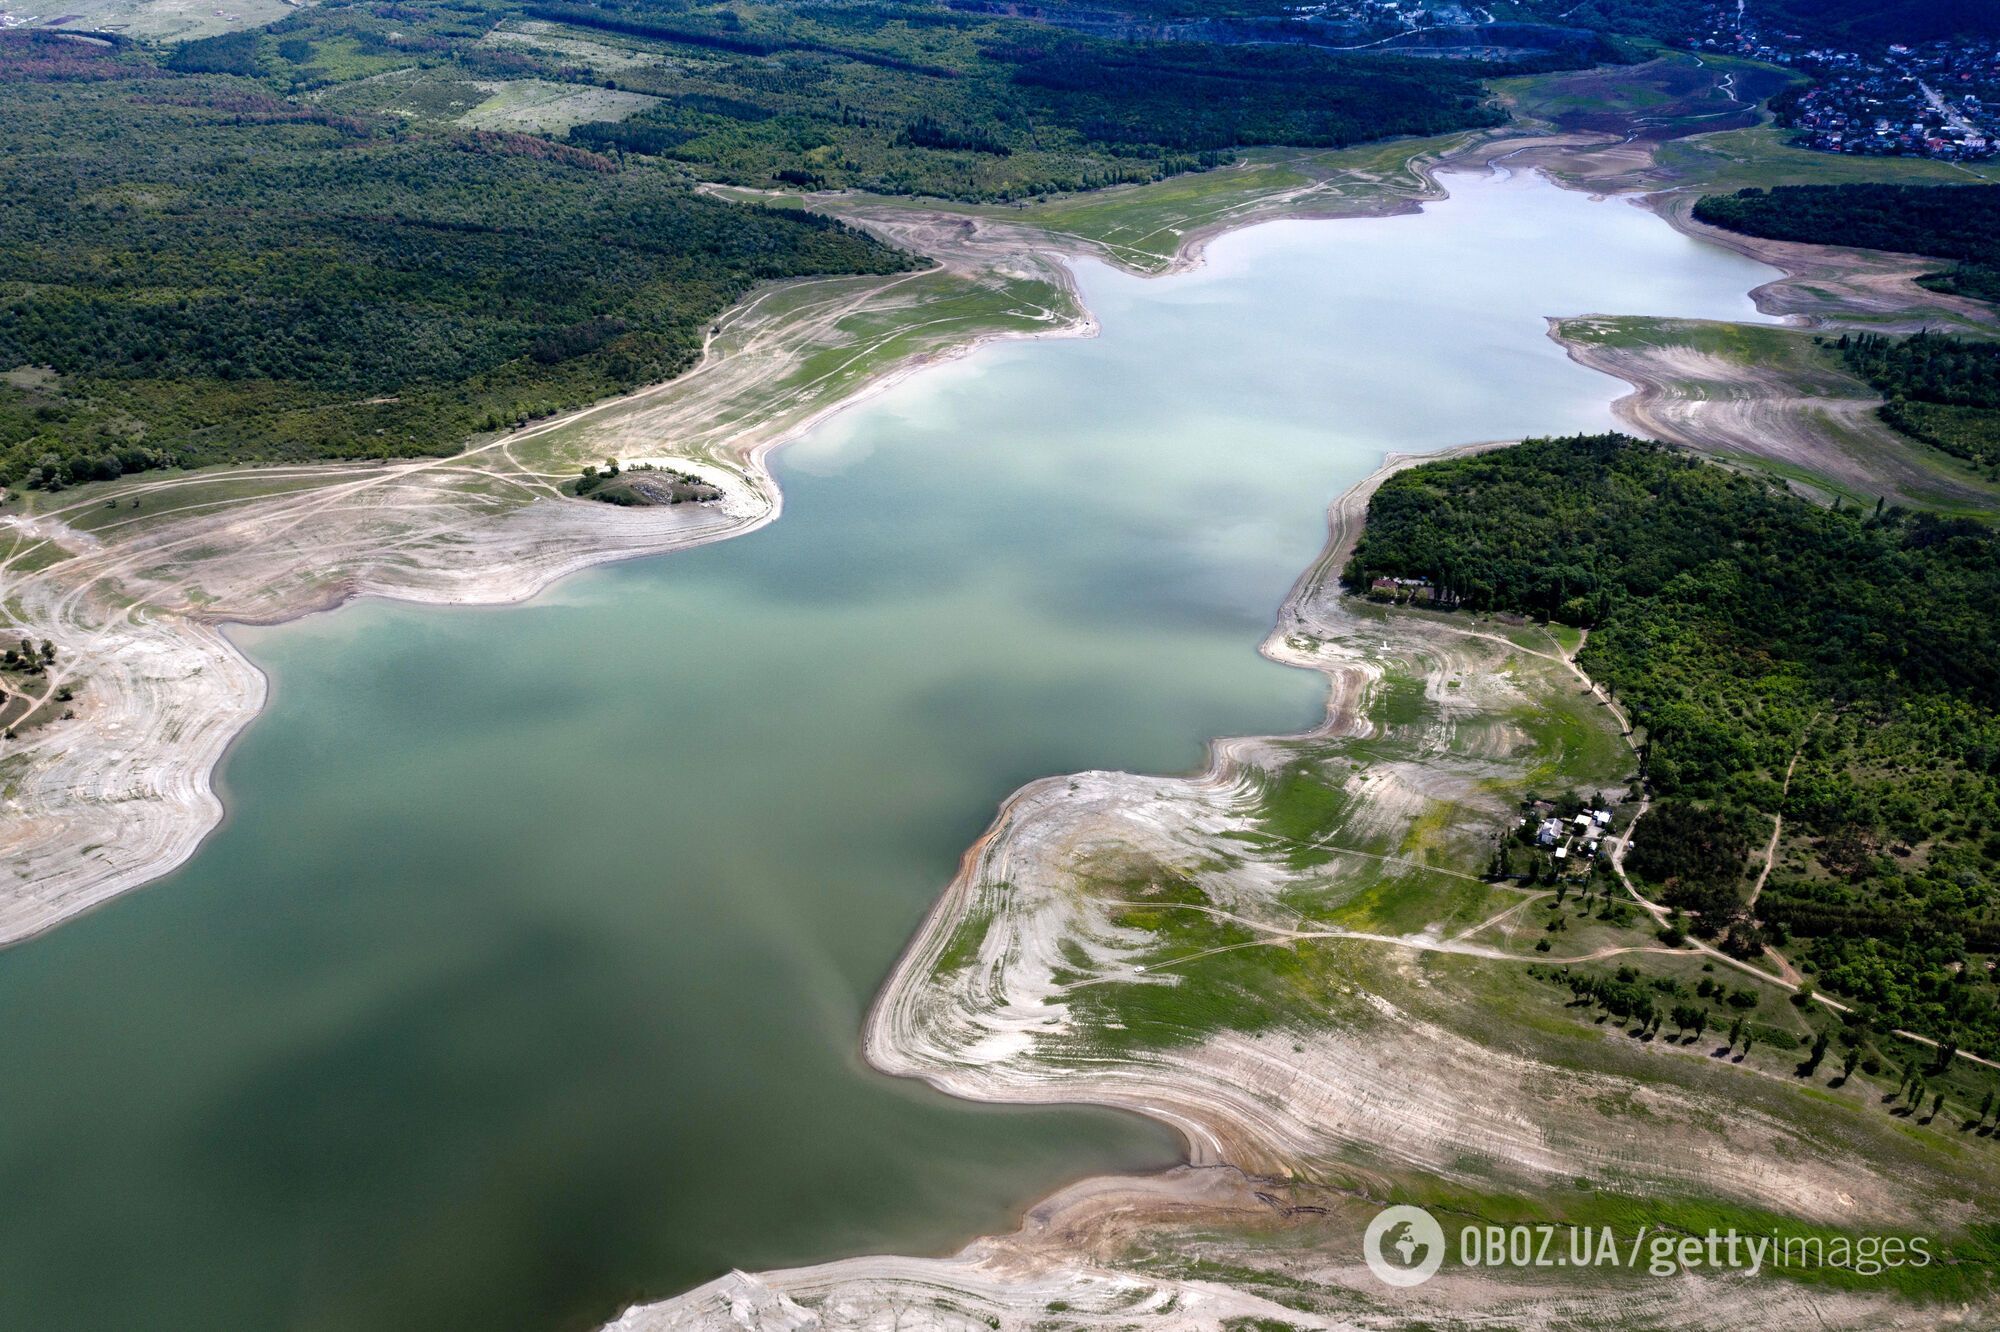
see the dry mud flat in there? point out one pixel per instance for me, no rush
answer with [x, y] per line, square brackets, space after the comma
[1091, 1257]
[1298, 1132]
[1818, 424]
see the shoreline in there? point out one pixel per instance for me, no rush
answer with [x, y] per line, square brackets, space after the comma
[1347, 686]
[220, 687]
[1348, 683]
[227, 707]
[888, 1025]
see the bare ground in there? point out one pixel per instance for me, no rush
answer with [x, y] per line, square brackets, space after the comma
[1736, 409]
[1297, 1135]
[1097, 1256]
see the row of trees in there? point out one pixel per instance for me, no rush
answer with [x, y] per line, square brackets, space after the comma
[1930, 367]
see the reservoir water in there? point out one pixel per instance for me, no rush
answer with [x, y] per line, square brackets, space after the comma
[524, 979]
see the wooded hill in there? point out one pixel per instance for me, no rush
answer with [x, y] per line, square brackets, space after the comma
[920, 99]
[213, 273]
[1741, 625]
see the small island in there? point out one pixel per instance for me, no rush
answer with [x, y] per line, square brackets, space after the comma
[638, 485]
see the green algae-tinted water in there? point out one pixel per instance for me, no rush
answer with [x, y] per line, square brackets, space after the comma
[525, 978]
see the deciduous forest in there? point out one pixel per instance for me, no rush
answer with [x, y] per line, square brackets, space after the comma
[193, 270]
[1944, 391]
[1959, 222]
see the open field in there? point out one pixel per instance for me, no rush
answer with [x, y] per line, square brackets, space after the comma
[159, 20]
[1670, 97]
[551, 108]
[1759, 157]
[445, 96]
[1678, 124]
[600, 51]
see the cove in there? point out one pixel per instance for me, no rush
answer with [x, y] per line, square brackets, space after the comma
[525, 978]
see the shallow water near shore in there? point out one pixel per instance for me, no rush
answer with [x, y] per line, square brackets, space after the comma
[525, 978]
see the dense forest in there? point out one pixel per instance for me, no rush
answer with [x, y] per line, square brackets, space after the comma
[891, 97]
[210, 273]
[912, 99]
[1959, 222]
[1742, 626]
[1942, 390]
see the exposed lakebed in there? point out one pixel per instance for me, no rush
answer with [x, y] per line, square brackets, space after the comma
[525, 978]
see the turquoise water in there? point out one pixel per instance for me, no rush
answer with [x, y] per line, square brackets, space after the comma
[524, 979]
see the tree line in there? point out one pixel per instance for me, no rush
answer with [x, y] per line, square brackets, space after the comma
[1944, 391]
[1959, 222]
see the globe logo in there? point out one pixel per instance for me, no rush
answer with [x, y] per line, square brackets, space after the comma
[1404, 1246]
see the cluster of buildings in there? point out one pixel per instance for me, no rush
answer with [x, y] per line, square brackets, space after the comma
[1403, 591]
[1577, 835]
[1391, 17]
[1938, 99]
